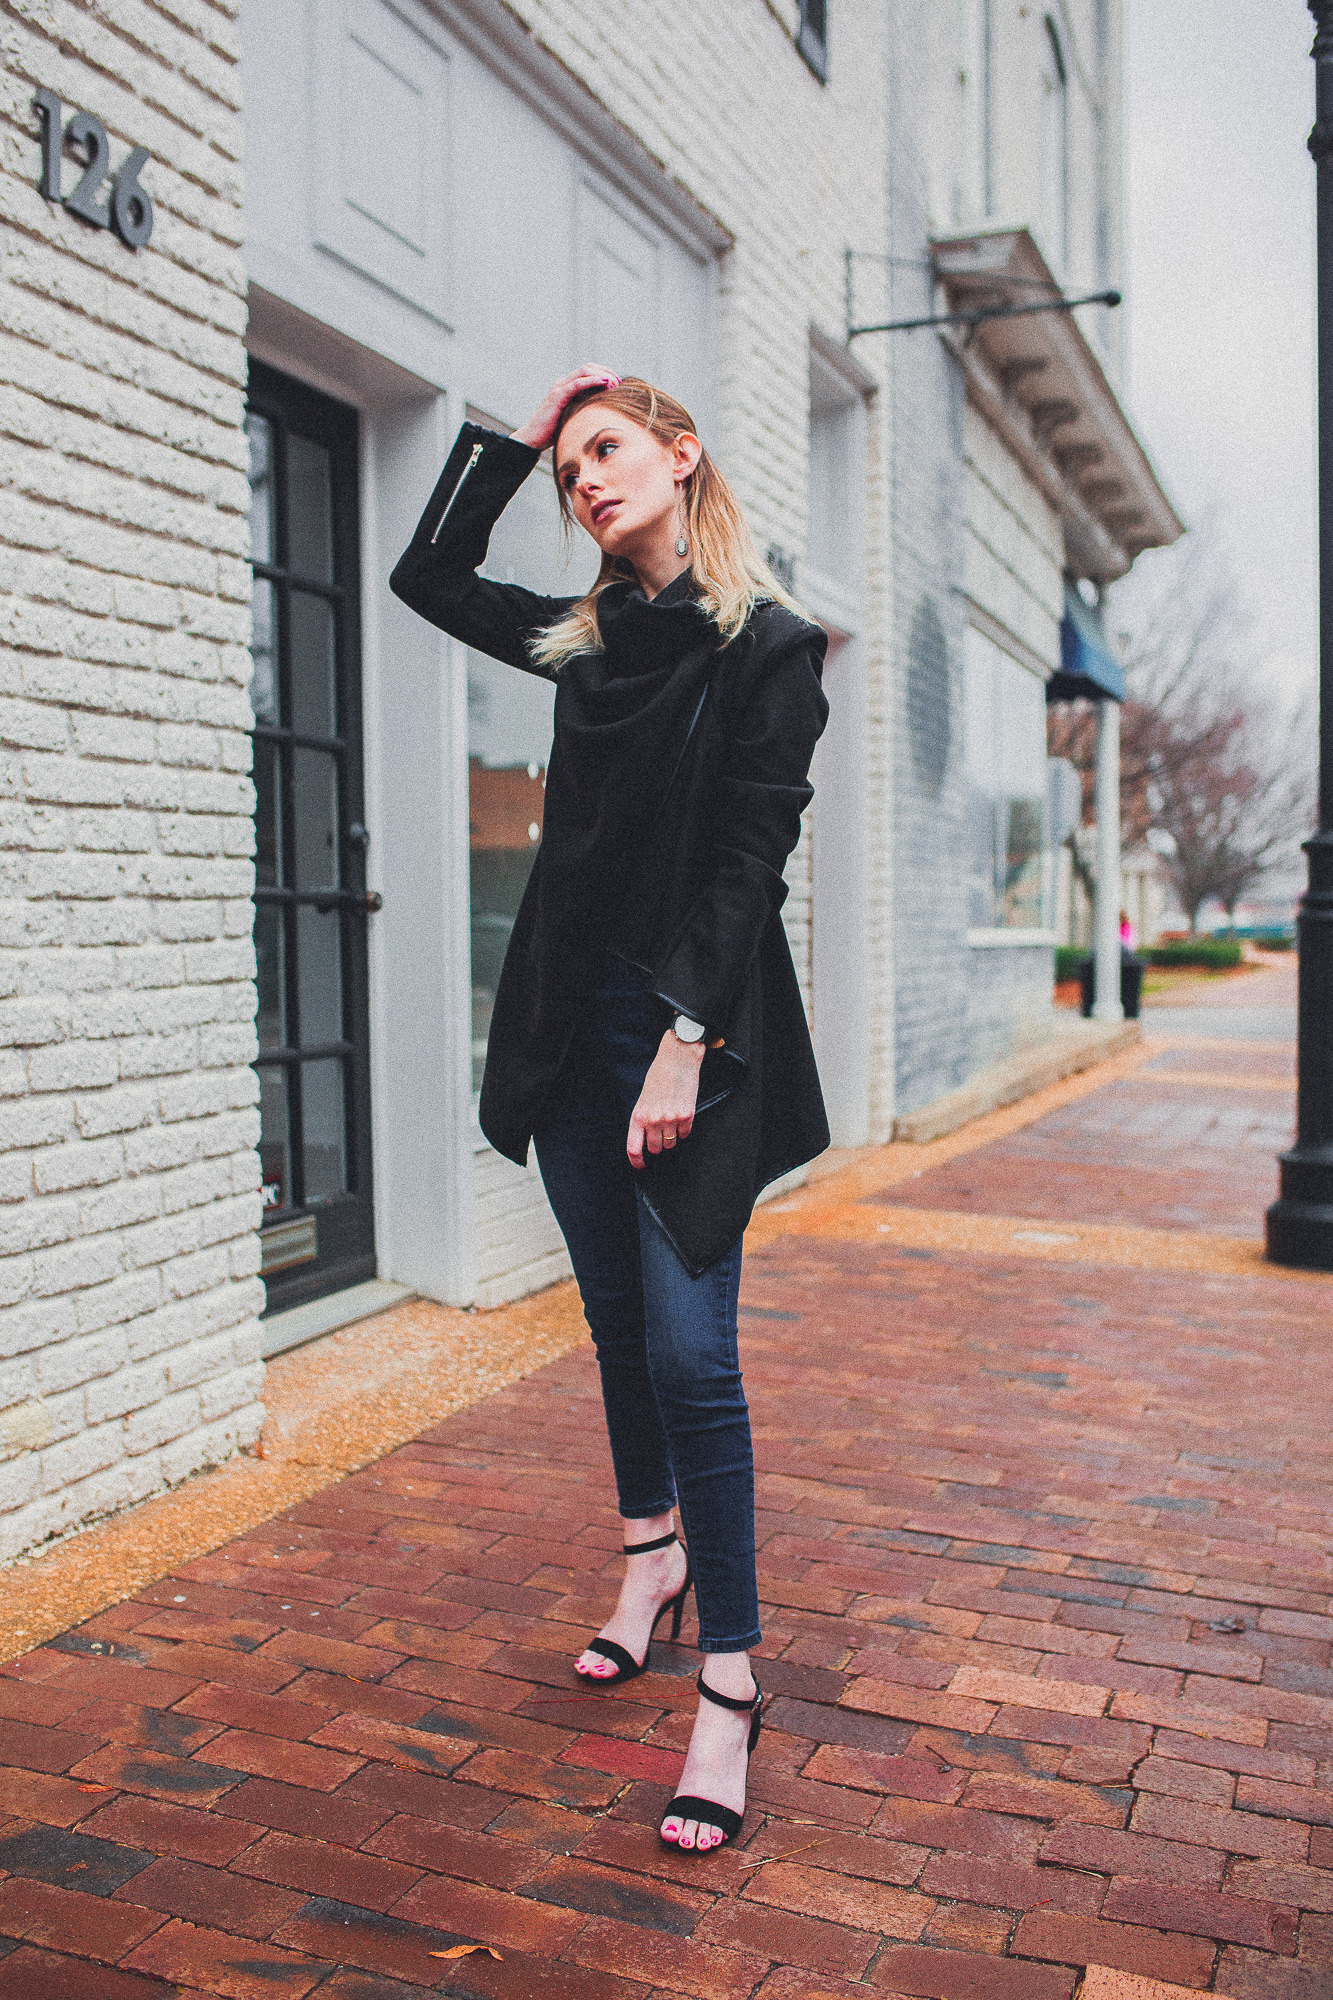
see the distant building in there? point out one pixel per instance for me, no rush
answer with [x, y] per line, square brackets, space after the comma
[265, 831]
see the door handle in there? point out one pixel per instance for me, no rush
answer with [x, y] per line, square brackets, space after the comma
[362, 902]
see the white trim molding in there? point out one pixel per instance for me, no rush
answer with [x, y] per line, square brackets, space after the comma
[1008, 642]
[1001, 939]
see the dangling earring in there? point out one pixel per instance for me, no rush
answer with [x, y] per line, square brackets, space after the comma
[682, 546]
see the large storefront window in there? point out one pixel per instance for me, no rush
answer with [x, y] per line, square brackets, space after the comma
[1006, 789]
[509, 740]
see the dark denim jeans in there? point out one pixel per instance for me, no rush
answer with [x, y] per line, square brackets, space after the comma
[666, 1342]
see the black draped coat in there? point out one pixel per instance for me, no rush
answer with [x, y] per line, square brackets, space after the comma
[677, 778]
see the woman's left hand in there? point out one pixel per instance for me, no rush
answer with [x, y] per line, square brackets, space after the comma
[665, 1110]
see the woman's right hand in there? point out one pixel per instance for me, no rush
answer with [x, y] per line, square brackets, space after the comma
[540, 427]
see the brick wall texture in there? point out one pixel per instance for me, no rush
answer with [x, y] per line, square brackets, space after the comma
[129, 1352]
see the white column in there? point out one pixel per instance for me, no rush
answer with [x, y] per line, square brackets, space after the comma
[1106, 915]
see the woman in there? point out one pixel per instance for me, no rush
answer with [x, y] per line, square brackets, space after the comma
[648, 1032]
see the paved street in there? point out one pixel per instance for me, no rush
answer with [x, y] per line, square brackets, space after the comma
[1045, 1526]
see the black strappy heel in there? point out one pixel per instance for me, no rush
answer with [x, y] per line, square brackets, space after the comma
[628, 1667]
[707, 1811]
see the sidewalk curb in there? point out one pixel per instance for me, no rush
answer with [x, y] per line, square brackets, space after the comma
[1017, 1076]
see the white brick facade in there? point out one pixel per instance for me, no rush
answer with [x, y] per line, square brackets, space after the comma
[128, 1296]
[661, 185]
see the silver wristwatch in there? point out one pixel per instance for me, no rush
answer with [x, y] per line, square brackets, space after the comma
[686, 1030]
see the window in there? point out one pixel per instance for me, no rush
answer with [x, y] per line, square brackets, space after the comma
[1006, 789]
[836, 474]
[812, 36]
[972, 196]
[1054, 149]
[509, 720]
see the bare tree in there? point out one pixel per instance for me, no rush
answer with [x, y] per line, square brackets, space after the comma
[1209, 764]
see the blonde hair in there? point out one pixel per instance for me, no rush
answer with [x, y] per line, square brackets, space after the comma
[728, 570]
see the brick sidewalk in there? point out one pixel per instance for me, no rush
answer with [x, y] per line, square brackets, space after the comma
[1044, 1556]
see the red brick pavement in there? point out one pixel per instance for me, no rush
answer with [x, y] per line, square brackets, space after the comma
[1045, 1566]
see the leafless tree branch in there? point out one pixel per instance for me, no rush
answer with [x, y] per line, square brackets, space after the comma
[1210, 764]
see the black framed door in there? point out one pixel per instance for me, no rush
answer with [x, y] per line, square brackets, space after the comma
[311, 906]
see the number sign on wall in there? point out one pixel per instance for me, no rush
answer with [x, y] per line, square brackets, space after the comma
[129, 210]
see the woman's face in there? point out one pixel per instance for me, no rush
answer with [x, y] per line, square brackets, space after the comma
[623, 485]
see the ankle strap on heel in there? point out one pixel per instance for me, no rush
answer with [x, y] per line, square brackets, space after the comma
[642, 1548]
[727, 1700]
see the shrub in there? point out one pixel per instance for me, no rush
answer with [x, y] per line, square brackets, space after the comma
[1068, 961]
[1211, 954]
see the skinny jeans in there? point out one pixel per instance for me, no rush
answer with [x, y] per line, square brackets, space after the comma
[666, 1342]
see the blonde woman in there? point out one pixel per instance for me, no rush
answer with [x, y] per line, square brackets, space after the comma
[648, 1032]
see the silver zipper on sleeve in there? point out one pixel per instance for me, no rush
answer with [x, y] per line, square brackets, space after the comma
[458, 487]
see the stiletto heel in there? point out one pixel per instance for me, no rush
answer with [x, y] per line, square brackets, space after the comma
[627, 1667]
[707, 1811]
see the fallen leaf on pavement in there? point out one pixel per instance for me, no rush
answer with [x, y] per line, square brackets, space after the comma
[462, 1950]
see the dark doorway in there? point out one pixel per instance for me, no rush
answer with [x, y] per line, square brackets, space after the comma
[311, 906]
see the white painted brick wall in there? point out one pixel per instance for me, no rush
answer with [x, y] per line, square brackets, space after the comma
[1014, 565]
[129, 1349]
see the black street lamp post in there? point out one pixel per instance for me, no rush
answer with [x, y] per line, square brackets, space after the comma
[1300, 1222]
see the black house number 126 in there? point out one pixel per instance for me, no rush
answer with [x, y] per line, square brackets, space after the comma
[129, 209]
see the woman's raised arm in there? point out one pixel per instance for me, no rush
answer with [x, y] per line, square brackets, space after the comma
[437, 573]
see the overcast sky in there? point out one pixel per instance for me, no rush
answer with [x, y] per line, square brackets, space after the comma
[1220, 292]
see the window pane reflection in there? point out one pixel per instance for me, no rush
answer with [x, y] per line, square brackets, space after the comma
[259, 431]
[325, 1119]
[268, 816]
[1006, 789]
[315, 793]
[319, 956]
[275, 1148]
[509, 741]
[270, 979]
[264, 653]
[314, 681]
[509, 734]
[309, 511]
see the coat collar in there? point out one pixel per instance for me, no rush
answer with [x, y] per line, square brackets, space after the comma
[642, 634]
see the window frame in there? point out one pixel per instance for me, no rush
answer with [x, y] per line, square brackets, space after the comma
[812, 37]
[338, 1248]
[973, 192]
[1055, 191]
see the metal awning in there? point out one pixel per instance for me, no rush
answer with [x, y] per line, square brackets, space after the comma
[1040, 385]
[1088, 668]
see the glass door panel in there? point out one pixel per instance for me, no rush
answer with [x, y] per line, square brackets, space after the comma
[311, 909]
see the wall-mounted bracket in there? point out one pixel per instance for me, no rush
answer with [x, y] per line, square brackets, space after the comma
[979, 318]
[973, 319]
